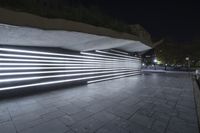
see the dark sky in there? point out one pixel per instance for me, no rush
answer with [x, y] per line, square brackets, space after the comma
[177, 20]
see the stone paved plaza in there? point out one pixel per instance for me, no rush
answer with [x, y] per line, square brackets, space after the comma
[149, 103]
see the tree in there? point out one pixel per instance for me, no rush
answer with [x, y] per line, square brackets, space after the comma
[175, 53]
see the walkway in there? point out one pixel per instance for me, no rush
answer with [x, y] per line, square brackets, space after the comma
[150, 103]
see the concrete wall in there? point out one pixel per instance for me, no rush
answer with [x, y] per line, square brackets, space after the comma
[32, 67]
[30, 20]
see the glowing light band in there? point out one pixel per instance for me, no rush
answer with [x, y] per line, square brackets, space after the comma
[103, 52]
[54, 76]
[58, 71]
[58, 81]
[104, 79]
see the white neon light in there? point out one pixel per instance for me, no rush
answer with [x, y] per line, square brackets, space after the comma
[58, 58]
[59, 71]
[48, 53]
[52, 61]
[117, 51]
[58, 81]
[98, 55]
[43, 64]
[109, 56]
[54, 76]
[104, 79]
[45, 53]
[42, 68]
[51, 57]
[103, 52]
[55, 61]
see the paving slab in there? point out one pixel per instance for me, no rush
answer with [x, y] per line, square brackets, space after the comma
[148, 103]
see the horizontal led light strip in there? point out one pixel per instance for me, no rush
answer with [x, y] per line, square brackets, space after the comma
[61, 81]
[49, 61]
[117, 51]
[47, 53]
[54, 61]
[104, 79]
[58, 71]
[57, 58]
[103, 52]
[108, 56]
[46, 68]
[54, 76]
[18, 66]
[42, 64]
[44, 53]
[69, 62]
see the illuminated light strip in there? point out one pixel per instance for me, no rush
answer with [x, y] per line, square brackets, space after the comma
[55, 82]
[18, 65]
[104, 79]
[58, 61]
[54, 76]
[52, 61]
[117, 51]
[59, 64]
[109, 56]
[44, 53]
[56, 58]
[76, 56]
[99, 55]
[103, 52]
[35, 68]
[42, 64]
[59, 71]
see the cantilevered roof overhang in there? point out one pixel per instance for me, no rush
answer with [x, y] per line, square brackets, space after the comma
[23, 29]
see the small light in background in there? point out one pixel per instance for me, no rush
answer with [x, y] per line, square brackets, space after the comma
[155, 60]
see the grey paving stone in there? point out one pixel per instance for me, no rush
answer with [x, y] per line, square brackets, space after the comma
[4, 116]
[146, 112]
[185, 109]
[20, 126]
[70, 109]
[190, 118]
[118, 112]
[111, 128]
[52, 115]
[180, 126]
[67, 120]
[89, 125]
[7, 127]
[142, 120]
[137, 128]
[140, 104]
[159, 126]
[104, 116]
[163, 117]
[54, 126]
[95, 108]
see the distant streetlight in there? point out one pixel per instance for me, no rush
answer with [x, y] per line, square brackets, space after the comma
[155, 60]
[188, 61]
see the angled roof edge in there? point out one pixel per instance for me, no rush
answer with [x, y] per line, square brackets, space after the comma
[31, 20]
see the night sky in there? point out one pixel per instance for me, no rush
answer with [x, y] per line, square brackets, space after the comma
[176, 20]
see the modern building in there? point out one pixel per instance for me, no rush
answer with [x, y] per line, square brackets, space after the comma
[38, 52]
